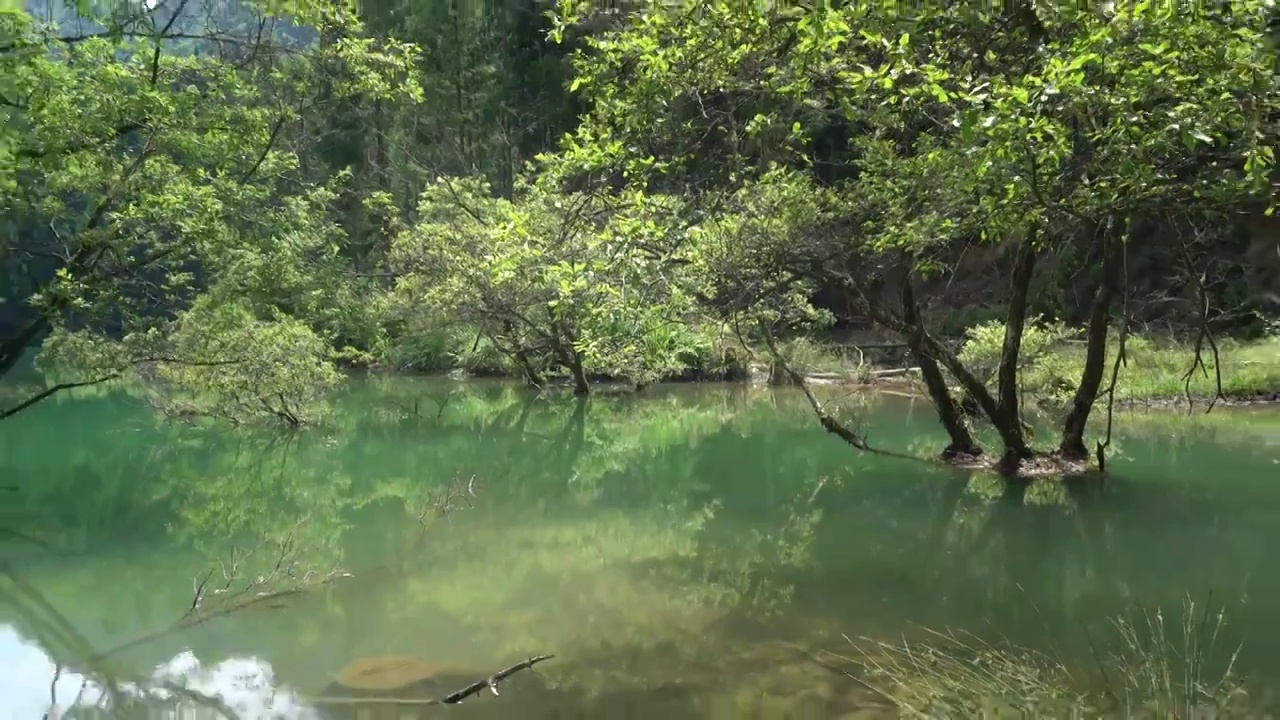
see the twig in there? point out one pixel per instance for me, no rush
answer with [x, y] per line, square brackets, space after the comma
[446, 503]
[492, 681]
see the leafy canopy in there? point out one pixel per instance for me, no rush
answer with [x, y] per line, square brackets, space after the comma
[165, 216]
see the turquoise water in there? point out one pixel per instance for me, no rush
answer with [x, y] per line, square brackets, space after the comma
[691, 551]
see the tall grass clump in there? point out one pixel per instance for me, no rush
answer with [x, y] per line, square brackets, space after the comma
[1179, 672]
[1153, 669]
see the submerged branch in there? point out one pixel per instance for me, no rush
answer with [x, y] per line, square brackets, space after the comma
[454, 698]
[833, 426]
[492, 681]
[829, 423]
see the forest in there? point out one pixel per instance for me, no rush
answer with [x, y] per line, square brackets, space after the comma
[236, 203]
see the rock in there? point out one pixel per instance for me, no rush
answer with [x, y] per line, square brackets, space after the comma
[389, 672]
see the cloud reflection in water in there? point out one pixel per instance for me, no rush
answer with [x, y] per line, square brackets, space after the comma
[246, 685]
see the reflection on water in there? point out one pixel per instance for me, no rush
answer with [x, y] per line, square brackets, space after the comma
[246, 686]
[688, 552]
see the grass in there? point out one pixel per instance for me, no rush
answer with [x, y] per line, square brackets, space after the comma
[1163, 372]
[1156, 372]
[1180, 671]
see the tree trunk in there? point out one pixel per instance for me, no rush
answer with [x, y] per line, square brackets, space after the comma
[581, 387]
[1011, 437]
[521, 357]
[564, 342]
[949, 413]
[1010, 421]
[930, 346]
[1095, 361]
[13, 348]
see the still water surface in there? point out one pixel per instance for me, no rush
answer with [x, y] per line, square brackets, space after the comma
[685, 553]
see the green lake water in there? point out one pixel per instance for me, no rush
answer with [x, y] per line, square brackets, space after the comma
[688, 552]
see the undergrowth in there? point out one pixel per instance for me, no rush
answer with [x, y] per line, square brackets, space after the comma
[1153, 669]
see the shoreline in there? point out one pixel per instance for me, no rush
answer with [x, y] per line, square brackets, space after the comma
[896, 381]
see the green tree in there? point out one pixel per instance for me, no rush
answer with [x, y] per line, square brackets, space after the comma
[578, 281]
[1031, 132]
[179, 237]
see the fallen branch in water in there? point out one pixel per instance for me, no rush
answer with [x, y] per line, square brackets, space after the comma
[492, 681]
[828, 422]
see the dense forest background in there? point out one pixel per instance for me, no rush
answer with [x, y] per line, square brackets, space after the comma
[235, 200]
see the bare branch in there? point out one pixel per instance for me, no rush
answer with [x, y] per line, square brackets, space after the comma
[829, 423]
[492, 681]
[1203, 334]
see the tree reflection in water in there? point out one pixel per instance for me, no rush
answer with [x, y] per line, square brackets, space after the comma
[684, 553]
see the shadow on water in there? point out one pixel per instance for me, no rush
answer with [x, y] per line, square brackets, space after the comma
[688, 552]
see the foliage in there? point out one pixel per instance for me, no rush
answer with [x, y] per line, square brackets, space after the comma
[733, 170]
[431, 344]
[572, 280]
[160, 175]
[283, 367]
[900, 143]
[982, 346]
[746, 254]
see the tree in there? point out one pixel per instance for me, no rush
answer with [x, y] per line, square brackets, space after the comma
[1042, 134]
[164, 224]
[579, 281]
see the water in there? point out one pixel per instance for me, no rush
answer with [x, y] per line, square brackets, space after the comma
[688, 553]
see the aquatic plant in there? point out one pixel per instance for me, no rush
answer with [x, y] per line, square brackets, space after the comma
[1155, 670]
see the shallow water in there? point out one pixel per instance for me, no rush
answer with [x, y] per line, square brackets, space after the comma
[690, 552]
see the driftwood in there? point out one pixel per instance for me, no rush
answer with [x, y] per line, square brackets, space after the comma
[894, 372]
[828, 378]
[492, 681]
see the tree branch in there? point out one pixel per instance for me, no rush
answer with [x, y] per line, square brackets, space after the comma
[271, 141]
[1204, 334]
[829, 423]
[5, 414]
[492, 681]
[53, 390]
